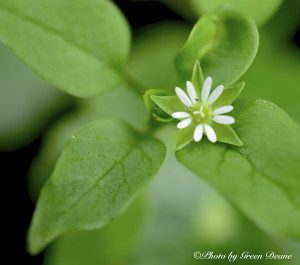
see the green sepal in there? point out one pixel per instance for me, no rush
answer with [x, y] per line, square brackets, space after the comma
[155, 111]
[197, 77]
[184, 137]
[229, 95]
[169, 104]
[226, 134]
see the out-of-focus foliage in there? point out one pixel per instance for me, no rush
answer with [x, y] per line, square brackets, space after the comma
[108, 246]
[153, 52]
[88, 41]
[274, 74]
[26, 102]
[260, 11]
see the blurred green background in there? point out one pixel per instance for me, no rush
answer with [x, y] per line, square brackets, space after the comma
[177, 214]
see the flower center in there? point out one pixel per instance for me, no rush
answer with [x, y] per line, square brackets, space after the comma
[201, 114]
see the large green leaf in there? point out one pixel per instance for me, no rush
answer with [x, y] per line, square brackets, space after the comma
[75, 45]
[262, 178]
[259, 10]
[113, 104]
[101, 170]
[225, 43]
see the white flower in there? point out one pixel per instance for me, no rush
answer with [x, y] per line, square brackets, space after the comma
[201, 113]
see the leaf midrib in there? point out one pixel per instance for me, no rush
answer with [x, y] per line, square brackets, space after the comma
[115, 163]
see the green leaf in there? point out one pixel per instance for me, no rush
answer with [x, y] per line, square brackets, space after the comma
[260, 11]
[108, 246]
[100, 172]
[155, 111]
[226, 134]
[75, 45]
[262, 177]
[229, 95]
[169, 104]
[113, 104]
[225, 43]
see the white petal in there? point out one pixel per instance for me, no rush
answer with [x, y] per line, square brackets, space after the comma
[215, 94]
[183, 97]
[181, 115]
[210, 133]
[198, 133]
[223, 119]
[222, 110]
[206, 88]
[185, 123]
[192, 92]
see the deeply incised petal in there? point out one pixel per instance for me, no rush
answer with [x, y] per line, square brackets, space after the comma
[198, 133]
[191, 92]
[206, 88]
[185, 123]
[215, 94]
[183, 97]
[210, 133]
[223, 119]
[222, 110]
[181, 115]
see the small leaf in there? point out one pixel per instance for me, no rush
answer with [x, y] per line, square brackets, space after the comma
[225, 43]
[261, 178]
[100, 172]
[75, 45]
[155, 111]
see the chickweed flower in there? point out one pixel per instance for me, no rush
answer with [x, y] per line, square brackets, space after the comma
[200, 111]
